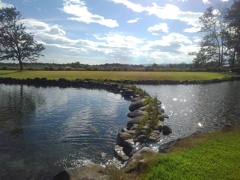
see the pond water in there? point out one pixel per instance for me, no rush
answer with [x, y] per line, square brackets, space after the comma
[43, 130]
[198, 107]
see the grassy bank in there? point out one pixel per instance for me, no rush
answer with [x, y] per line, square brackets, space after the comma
[114, 75]
[209, 156]
[205, 156]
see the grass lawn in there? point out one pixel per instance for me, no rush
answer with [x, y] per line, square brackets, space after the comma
[114, 75]
[204, 156]
[210, 156]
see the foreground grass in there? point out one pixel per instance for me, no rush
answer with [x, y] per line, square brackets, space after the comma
[204, 156]
[114, 75]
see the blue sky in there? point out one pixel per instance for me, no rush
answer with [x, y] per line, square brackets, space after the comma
[115, 31]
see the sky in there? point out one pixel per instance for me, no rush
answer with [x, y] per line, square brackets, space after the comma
[115, 31]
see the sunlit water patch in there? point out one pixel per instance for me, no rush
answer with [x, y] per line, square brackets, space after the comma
[198, 107]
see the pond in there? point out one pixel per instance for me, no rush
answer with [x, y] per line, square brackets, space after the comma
[44, 130]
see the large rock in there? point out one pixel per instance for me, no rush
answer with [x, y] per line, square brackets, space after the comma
[159, 128]
[144, 108]
[137, 98]
[134, 127]
[154, 137]
[142, 138]
[128, 146]
[63, 175]
[122, 136]
[136, 113]
[136, 105]
[166, 130]
[132, 163]
[92, 171]
[127, 93]
[135, 120]
[162, 117]
[119, 153]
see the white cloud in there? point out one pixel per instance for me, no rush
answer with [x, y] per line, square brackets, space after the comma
[167, 12]
[112, 47]
[50, 35]
[192, 30]
[172, 46]
[133, 20]
[79, 10]
[5, 5]
[117, 40]
[134, 7]
[206, 2]
[158, 29]
[58, 45]
[118, 46]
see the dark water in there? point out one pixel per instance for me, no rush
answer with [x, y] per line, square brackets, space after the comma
[198, 107]
[43, 130]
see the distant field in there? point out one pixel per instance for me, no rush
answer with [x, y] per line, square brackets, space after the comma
[114, 75]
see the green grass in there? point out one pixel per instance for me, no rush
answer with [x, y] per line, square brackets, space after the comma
[205, 156]
[114, 75]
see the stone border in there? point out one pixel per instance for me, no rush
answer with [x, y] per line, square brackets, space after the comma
[139, 108]
[91, 83]
[144, 127]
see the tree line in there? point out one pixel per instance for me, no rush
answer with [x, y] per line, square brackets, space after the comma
[220, 45]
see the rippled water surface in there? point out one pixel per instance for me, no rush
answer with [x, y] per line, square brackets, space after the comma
[43, 130]
[198, 107]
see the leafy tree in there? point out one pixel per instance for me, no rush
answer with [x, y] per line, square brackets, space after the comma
[232, 16]
[213, 43]
[15, 42]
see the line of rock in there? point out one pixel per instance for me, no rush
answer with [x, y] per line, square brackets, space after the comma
[134, 134]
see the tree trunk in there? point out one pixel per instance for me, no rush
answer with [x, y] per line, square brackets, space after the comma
[20, 65]
[232, 64]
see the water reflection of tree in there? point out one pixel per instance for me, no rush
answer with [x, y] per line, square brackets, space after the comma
[229, 111]
[17, 106]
